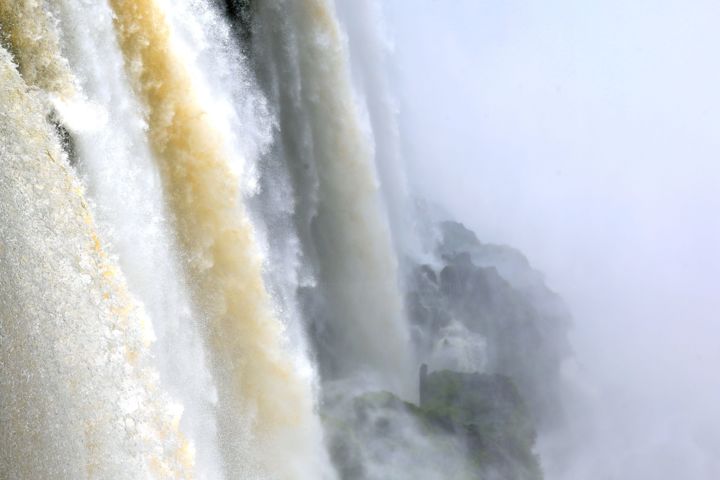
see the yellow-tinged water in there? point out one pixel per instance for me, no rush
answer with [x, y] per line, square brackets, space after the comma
[29, 34]
[259, 387]
[78, 399]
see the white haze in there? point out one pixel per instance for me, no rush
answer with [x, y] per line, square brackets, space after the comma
[586, 134]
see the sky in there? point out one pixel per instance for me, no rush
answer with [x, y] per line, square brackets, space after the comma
[585, 133]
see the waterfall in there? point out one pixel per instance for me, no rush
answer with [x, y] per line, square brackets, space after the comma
[77, 396]
[236, 239]
[359, 323]
[369, 51]
[124, 187]
[195, 242]
[29, 34]
[256, 380]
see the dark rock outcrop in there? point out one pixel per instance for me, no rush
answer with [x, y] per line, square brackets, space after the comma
[489, 414]
[240, 15]
[492, 338]
[492, 292]
[66, 139]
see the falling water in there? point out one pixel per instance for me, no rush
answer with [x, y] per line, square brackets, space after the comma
[369, 50]
[124, 186]
[305, 70]
[256, 380]
[29, 34]
[78, 399]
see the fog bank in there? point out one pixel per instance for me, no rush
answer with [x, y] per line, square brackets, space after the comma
[585, 135]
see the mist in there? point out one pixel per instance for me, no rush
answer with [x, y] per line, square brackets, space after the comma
[585, 134]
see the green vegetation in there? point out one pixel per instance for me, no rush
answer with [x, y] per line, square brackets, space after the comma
[489, 413]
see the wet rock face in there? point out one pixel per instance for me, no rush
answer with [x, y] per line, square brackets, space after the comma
[493, 293]
[240, 15]
[488, 412]
[66, 140]
[492, 337]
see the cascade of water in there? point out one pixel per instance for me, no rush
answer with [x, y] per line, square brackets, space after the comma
[29, 34]
[260, 388]
[77, 397]
[303, 65]
[370, 48]
[125, 191]
[249, 212]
